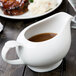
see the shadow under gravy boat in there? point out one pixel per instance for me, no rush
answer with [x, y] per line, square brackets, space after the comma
[47, 55]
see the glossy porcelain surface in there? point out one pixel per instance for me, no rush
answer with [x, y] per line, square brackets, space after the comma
[47, 55]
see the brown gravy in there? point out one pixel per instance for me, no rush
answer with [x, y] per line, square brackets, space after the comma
[42, 37]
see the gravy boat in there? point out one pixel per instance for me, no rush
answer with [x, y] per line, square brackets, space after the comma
[42, 56]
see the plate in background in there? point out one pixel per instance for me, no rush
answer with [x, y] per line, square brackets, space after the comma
[27, 14]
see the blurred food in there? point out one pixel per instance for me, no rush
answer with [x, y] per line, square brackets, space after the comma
[14, 7]
[19, 7]
[41, 6]
[30, 0]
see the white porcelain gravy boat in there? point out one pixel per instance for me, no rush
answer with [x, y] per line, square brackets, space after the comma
[47, 55]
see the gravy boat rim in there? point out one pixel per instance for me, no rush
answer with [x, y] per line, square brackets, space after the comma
[34, 24]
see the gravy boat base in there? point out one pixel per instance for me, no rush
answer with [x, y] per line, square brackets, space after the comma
[46, 68]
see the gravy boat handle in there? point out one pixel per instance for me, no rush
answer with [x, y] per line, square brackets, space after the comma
[8, 45]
